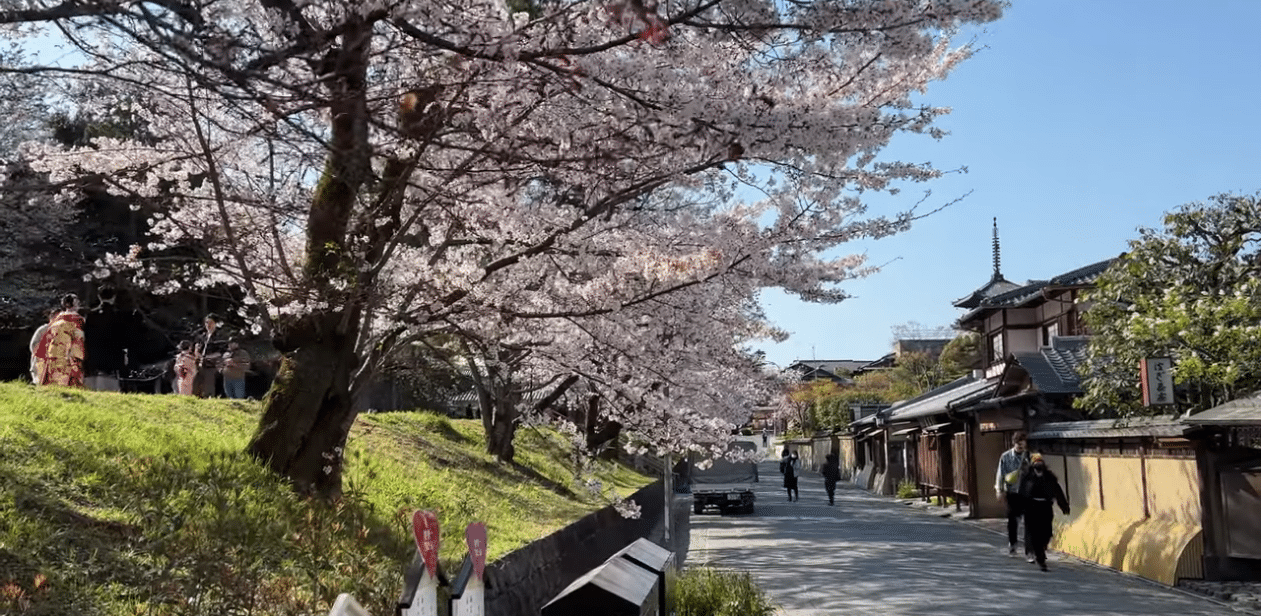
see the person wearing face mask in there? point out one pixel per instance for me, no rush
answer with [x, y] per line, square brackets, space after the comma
[1040, 489]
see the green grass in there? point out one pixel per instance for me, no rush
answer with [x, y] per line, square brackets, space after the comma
[132, 504]
[705, 591]
[907, 489]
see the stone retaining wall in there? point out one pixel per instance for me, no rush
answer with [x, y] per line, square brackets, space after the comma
[523, 581]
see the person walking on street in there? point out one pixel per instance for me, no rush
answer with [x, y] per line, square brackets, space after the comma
[1012, 466]
[766, 439]
[1040, 489]
[790, 466]
[831, 474]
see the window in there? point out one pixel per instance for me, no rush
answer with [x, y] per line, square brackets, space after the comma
[1049, 331]
[996, 348]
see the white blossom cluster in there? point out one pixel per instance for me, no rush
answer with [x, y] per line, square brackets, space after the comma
[560, 181]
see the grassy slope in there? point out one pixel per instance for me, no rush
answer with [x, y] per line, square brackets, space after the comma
[134, 504]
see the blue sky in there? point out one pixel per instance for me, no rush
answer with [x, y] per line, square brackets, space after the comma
[1080, 121]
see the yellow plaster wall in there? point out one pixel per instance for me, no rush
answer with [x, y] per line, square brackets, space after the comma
[1123, 486]
[1173, 490]
[848, 456]
[1117, 534]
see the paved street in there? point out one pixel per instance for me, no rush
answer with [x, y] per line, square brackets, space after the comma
[874, 555]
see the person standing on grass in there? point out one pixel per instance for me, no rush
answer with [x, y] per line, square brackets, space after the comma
[185, 368]
[39, 335]
[1012, 466]
[214, 343]
[831, 474]
[59, 354]
[236, 362]
[1040, 489]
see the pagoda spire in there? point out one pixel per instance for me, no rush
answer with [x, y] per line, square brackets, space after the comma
[998, 273]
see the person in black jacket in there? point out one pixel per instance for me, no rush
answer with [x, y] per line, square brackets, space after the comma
[214, 343]
[1039, 489]
[831, 474]
[790, 466]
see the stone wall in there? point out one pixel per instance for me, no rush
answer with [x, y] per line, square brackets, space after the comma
[523, 581]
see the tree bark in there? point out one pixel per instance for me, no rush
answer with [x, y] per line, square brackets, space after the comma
[308, 413]
[501, 432]
[598, 430]
[309, 410]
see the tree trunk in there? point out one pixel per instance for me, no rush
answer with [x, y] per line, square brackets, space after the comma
[308, 413]
[499, 419]
[598, 430]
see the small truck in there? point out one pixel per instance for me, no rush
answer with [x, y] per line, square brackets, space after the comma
[725, 485]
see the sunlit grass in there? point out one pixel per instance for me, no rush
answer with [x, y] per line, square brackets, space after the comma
[141, 504]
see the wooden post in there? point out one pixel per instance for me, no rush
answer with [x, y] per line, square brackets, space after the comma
[1142, 466]
[668, 481]
[1099, 475]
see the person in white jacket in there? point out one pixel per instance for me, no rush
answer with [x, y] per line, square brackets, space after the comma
[39, 334]
[1012, 466]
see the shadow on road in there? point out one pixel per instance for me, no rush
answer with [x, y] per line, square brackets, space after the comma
[873, 555]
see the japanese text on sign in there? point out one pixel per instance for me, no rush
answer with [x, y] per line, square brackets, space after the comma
[1156, 375]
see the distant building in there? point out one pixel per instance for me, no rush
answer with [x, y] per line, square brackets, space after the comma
[835, 370]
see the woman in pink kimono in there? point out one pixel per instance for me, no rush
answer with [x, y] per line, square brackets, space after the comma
[185, 369]
[59, 355]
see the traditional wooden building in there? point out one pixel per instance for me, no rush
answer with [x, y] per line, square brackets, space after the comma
[948, 440]
[1134, 494]
[1227, 446]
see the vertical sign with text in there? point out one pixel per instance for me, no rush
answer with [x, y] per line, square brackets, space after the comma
[1156, 375]
[472, 598]
[425, 600]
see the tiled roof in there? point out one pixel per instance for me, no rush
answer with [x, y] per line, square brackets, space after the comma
[883, 362]
[1241, 412]
[1020, 295]
[835, 366]
[1054, 369]
[1110, 428]
[1082, 275]
[936, 401]
[996, 286]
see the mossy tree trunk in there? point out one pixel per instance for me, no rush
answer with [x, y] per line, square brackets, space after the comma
[309, 411]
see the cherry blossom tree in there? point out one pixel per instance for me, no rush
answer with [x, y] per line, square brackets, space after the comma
[563, 181]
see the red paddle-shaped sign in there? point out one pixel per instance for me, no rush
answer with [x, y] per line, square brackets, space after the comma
[475, 537]
[425, 527]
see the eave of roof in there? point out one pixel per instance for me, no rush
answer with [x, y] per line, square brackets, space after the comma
[938, 400]
[1110, 428]
[1241, 412]
[1027, 293]
[997, 285]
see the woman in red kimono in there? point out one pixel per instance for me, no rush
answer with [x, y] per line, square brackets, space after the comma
[59, 356]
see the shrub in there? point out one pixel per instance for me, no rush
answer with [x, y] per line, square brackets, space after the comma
[907, 489]
[705, 591]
